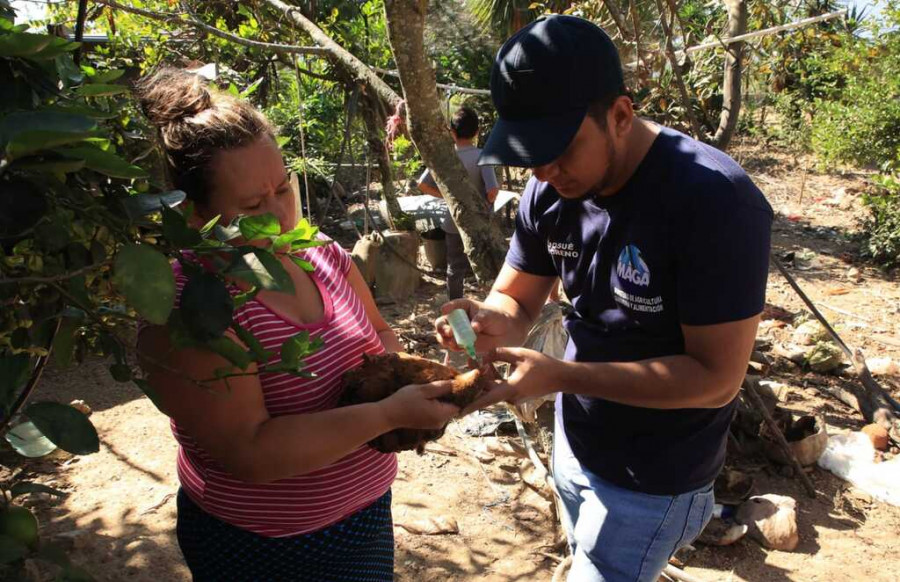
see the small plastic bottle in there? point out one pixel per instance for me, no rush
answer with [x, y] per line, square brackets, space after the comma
[462, 331]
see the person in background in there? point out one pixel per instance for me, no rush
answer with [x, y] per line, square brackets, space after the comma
[464, 129]
[277, 483]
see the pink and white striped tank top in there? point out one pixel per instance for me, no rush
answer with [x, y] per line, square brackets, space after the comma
[309, 502]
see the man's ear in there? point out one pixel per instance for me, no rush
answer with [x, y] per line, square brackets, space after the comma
[620, 116]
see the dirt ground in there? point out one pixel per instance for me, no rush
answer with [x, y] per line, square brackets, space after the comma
[119, 516]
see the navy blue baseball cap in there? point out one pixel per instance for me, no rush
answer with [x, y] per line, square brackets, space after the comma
[543, 81]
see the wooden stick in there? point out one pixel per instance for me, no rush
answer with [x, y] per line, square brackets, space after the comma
[32, 381]
[803, 179]
[556, 559]
[888, 341]
[677, 573]
[749, 387]
[878, 406]
[839, 393]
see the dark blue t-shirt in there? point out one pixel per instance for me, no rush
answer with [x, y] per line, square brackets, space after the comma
[685, 241]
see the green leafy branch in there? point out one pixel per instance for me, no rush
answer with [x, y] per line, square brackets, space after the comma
[85, 248]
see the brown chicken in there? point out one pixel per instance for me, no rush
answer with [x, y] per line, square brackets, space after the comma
[380, 376]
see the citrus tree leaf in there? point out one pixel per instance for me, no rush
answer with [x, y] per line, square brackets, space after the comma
[64, 342]
[303, 232]
[209, 225]
[227, 232]
[121, 372]
[56, 167]
[261, 268]
[206, 306]
[11, 550]
[104, 162]
[100, 90]
[56, 47]
[150, 392]
[30, 142]
[303, 264]
[144, 204]
[259, 226]
[23, 44]
[45, 120]
[107, 76]
[249, 340]
[14, 370]
[177, 231]
[231, 351]
[276, 270]
[80, 108]
[53, 552]
[144, 276]
[296, 348]
[73, 573]
[65, 426]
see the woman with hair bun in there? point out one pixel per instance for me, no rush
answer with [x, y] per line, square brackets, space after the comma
[276, 483]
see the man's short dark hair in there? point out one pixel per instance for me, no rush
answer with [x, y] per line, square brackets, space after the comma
[598, 109]
[464, 123]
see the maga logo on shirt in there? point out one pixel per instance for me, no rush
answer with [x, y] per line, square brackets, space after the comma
[632, 267]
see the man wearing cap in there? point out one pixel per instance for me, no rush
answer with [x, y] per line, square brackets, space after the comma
[662, 244]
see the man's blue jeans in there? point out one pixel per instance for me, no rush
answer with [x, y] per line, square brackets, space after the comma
[619, 535]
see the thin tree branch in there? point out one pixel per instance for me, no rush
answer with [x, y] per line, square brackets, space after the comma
[323, 51]
[618, 17]
[750, 389]
[676, 70]
[53, 279]
[314, 75]
[126, 345]
[79, 28]
[352, 99]
[340, 56]
[32, 383]
[636, 23]
[755, 34]
[165, 16]
[286, 48]
[194, 21]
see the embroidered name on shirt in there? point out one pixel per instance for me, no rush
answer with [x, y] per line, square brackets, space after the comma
[562, 249]
[632, 267]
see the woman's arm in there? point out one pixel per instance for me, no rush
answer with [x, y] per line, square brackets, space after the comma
[230, 421]
[385, 333]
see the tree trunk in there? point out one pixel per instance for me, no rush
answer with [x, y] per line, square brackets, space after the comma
[731, 85]
[353, 72]
[375, 123]
[481, 236]
[619, 18]
[676, 70]
[339, 56]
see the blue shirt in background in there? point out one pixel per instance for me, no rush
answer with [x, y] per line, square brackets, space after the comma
[685, 241]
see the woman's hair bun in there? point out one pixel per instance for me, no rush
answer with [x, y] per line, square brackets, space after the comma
[171, 95]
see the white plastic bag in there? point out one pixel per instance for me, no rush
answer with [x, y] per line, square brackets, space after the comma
[852, 457]
[549, 337]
